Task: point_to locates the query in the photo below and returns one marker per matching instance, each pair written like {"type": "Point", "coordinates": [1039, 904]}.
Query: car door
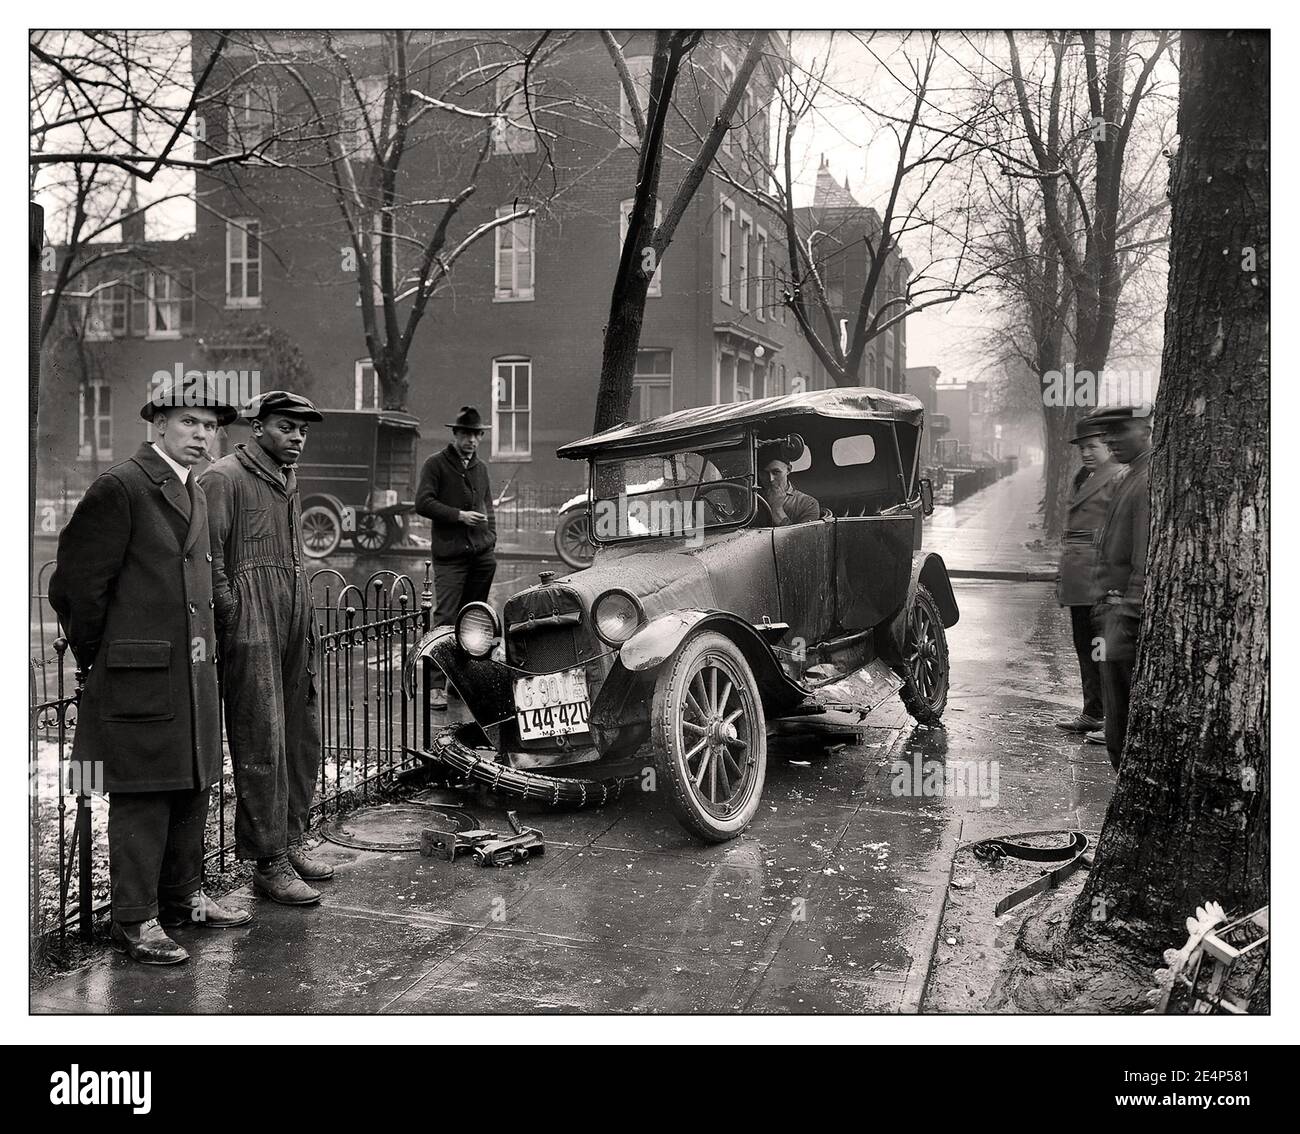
{"type": "Point", "coordinates": [804, 556]}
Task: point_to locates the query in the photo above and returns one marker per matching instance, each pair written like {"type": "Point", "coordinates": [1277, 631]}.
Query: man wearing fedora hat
{"type": "Point", "coordinates": [133, 591]}
{"type": "Point", "coordinates": [456, 494]}
{"type": "Point", "coordinates": [1121, 570]}
{"type": "Point", "coordinates": [269, 645]}
{"type": "Point", "coordinates": [1076, 588]}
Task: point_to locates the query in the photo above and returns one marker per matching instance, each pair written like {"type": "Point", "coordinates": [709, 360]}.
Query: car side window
{"type": "Point", "coordinates": [859, 449]}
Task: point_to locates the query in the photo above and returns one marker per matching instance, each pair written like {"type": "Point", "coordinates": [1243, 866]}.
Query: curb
{"type": "Point", "coordinates": [1020, 575]}
{"type": "Point", "coordinates": [914, 989]}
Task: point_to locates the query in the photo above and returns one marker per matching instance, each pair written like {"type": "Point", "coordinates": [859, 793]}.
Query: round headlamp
{"type": "Point", "coordinates": [476, 629]}
{"type": "Point", "coordinates": [617, 615]}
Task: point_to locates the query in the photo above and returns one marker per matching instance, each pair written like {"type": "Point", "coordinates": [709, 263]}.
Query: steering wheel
{"type": "Point", "coordinates": [720, 510]}
{"type": "Point", "coordinates": [770, 522]}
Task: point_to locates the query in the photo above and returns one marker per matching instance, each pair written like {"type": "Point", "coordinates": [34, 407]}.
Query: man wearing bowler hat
{"type": "Point", "coordinates": [456, 495]}
{"type": "Point", "coordinates": [1076, 584]}
{"type": "Point", "coordinates": [133, 591]}
{"type": "Point", "coordinates": [269, 644]}
{"type": "Point", "coordinates": [1122, 566]}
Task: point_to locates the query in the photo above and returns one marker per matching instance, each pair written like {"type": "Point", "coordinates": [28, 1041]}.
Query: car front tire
{"type": "Point", "coordinates": [710, 737]}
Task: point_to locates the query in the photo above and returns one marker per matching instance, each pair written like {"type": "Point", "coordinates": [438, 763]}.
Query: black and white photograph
{"type": "Point", "coordinates": [598, 531]}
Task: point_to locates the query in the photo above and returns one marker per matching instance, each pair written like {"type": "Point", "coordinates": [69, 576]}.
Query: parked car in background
{"type": "Point", "coordinates": [699, 622]}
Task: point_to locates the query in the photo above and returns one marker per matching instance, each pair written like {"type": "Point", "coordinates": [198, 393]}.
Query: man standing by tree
{"type": "Point", "coordinates": [133, 592]}
{"type": "Point", "coordinates": [1122, 566]}
{"type": "Point", "coordinates": [269, 644]}
{"type": "Point", "coordinates": [456, 495]}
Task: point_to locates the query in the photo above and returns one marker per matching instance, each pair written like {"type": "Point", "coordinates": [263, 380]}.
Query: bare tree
{"type": "Point", "coordinates": [646, 243]}
{"type": "Point", "coordinates": [365, 104]}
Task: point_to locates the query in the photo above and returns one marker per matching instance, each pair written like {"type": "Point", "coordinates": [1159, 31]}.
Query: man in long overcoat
{"type": "Point", "coordinates": [269, 644]}
{"type": "Point", "coordinates": [133, 592]}
{"type": "Point", "coordinates": [1122, 567]}
{"type": "Point", "coordinates": [1076, 586]}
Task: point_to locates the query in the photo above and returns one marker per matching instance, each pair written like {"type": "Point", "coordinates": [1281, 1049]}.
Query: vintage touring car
{"type": "Point", "coordinates": [700, 621]}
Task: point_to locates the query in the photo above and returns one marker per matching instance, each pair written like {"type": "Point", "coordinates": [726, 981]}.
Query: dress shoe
{"type": "Point", "coordinates": [438, 699]}
{"type": "Point", "coordinates": [1080, 723]}
{"type": "Point", "coordinates": [199, 909]}
{"type": "Point", "coordinates": [146, 942]}
{"type": "Point", "coordinates": [1097, 737]}
{"type": "Point", "coordinates": [307, 867]}
{"type": "Point", "coordinates": [276, 878]}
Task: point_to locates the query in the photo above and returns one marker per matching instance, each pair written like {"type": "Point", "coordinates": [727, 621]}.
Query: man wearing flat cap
{"type": "Point", "coordinates": [455, 493]}
{"type": "Point", "coordinates": [1121, 571]}
{"type": "Point", "coordinates": [787, 504]}
{"type": "Point", "coordinates": [269, 644]}
{"type": "Point", "coordinates": [133, 591]}
{"type": "Point", "coordinates": [1076, 584]}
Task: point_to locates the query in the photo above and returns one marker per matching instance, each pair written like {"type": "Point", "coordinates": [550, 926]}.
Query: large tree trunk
{"type": "Point", "coordinates": [1189, 818]}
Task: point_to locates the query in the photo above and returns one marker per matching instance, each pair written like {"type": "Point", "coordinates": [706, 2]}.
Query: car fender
{"type": "Point", "coordinates": [655, 643]}
{"type": "Point", "coordinates": [928, 568]}
{"type": "Point", "coordinates": [329, 500]}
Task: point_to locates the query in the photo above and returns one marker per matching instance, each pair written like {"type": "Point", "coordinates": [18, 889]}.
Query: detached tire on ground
{"type": "Point", "coordinates": [710, 737]}
{"type": "Point", "coordinates": [924, 668]}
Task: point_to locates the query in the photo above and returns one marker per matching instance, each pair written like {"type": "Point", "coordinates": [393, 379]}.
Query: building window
{"type": "Point", "coordinates": [728, 215]}
{"type": "Point", "coordinates": [727, 77]}
{"type": "Point", "coordinates": [106, 317]}
{"type": "Point", "coordinates": [639, 67]}
{"type": "Point", "coordinates": [514, 259]}
{"type": "Point", "coordinates": [358, 117]}
{"type": "Point", "coordinates": [512, 401]}
{"type": "Point", "coordinates": [95, 410]}
{"type": "Point", "coordinates": [252, 118]}
{"type": "Point", "coordinates": [763, 277]}
{"type": "Point", "coordinates": [624, 219]}
{"type": "Point", "coordinates": [366, 386]}
{"type": "Point", "coordinates": [512, 133]}
{"type": "Point", "coordinates": [652, 385]}
{"type": "Point", "coordinates": [746, 231]}
{"type": "Point", "coordinates": [243, 262]}
{"type": "Point", "coordinates": [162, 303]}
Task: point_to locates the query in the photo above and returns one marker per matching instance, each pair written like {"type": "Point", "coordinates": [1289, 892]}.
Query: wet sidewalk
{"type": "Point", "coordinates": [985, 536]}
{"type": "Point", "coordinates": [830, 902]}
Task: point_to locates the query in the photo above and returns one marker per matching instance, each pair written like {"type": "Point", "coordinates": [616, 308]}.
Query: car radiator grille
{"type": "Point", "coordinates": [548, 648]}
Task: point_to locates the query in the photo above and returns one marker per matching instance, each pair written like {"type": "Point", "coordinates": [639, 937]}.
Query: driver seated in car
{"type": "Point", "coordinates": [788, 504]}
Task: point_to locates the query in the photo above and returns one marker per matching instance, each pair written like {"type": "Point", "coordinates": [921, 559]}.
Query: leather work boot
{"type": "Point", "coordinates": [307, 867]}
{"type": "Point", "coordinates": [1098, 737]}
{"type": "Point", "coordinates": [1080, 723]}
{"type": "Point", "coordinates": [146, 942]}
{"type": "Point", "coordinates": [199, 909]}
{"type": "Point", "coordinates": [277, 879]}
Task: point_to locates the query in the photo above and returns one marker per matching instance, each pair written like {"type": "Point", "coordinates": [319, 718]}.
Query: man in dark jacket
{"type": "Point", "coordinates": [133, 592]}
{"type": "Point", "coordinates": [269, 644]}
{"type": "Point", "coordinates": [1094, 485]}
{"type": "Point", "coordinates": [1122, 567]}
{"type": "Point", "coordinates": [456, 495]}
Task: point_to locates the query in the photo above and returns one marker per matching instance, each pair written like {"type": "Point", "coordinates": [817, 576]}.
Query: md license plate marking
{"type": "Point", "coordinates": [552, 704]}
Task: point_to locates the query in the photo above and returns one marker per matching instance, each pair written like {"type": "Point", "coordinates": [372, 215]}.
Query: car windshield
{"type": "Point", "coordinates": [679, 494]}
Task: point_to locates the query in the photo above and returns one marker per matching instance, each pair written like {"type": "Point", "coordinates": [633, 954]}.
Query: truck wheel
{"type": "Point", "coordinates": [925, 661]}
{"type": "Point", "coordinates": [374, 533]}
{"type": "Point", "coordinates": [710, 737]}
{"type": "Point", "coordinates": [573, 539]}
{"type": "Point", "coordinates": [321, 531]}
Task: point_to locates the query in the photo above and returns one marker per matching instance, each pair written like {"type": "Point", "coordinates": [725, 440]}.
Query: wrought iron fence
{"type": "Point", "coordinates": [367, 725]}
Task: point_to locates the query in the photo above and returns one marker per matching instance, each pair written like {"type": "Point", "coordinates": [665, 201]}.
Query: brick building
{"type": "Point", "coordinates": [517, 331]}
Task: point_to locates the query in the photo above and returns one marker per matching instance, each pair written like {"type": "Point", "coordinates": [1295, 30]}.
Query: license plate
{"type": "Point", "coordinates": [552, 704]}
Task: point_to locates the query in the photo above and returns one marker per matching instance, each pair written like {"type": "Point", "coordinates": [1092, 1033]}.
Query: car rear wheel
{"type": "Point", "coordinates": [573, 539]}
{"type": "Point", "coordinates": [374, 533]}
{"type": "Point", "coordinates": [710, 737]}
{"type": "Point", "coordinates": [925, 661]}
{"type": "Point", "coordinates": [321, 531]}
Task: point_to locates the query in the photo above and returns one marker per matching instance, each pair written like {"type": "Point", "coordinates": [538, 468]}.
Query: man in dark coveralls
{"type": "Point", "coordinates": [133, 592]}
{"type": "Point", "coordinates": [1122, 566]}
{"type": "Point", "coordinates": [456, 495]}
{"type": "Point", "coordinates": [269, 644]}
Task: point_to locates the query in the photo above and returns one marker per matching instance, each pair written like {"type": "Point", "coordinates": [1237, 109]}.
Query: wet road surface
{"type": "Point", "coordinates": [829, 902]}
